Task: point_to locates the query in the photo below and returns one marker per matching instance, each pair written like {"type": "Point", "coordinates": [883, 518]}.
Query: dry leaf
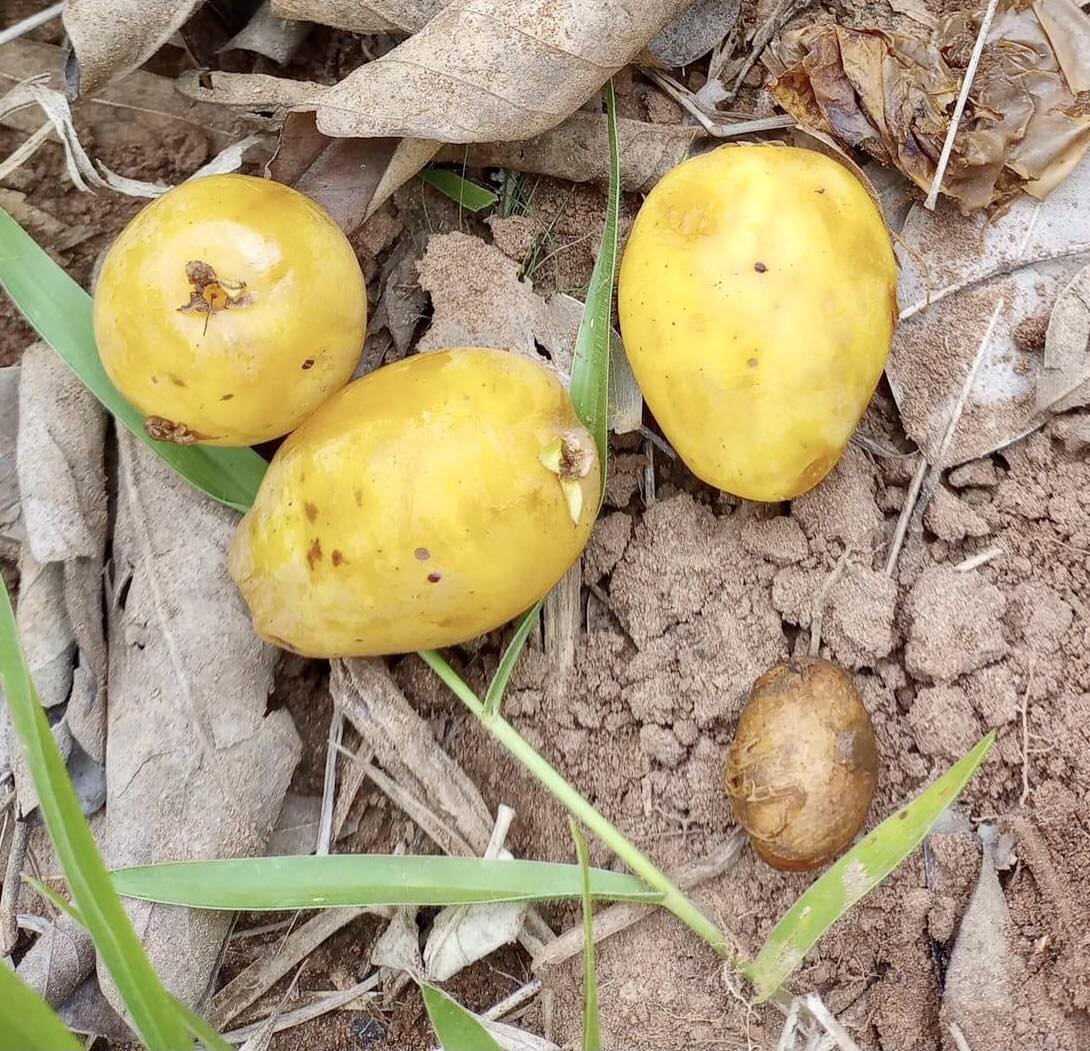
{"type": "Point", "coordinates": [265, 34]}
{"type": "Point", "coordinates": [512, 1038]}
{"type": "Point", "coordinates": [111, 37]}
{"type": "Point", "coordinates": [891, 94]}
{"type": "Point", "coordinates": [917, 10]}
{"type": "Point", "coordinates": [350, 178]}
{"type": "Point", "coordinates": [11, 519]}
{"type": "Point", "coordinates": [578, 151]}
{"type": "Point", "coordinates": [191, 745]}
{"type": "Point", "coordinates": [700, 27]}
{"type": "Point", "coordinates": [947, 257]}
{"type": "Point", "coordinates": [58, 960]}
{"type": "Point", "coordinates": [62, 490]}
{"type": "Point", "coordinates": [398, 946]}
{"type": "Point", "coordinates": [984, 972]}
{"type": "Point", "coordinates": [1062, 383]}
{"type": "Point", "coordinates": [249, 91]}
{"type": "Point", "coordinates": [489, 70]}
{"type": "Point", "coordinates": [135, 112]}
{"type": "Point", "coordinates": [357, 16]}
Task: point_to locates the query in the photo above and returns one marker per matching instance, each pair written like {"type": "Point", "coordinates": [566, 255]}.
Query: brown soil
{"type": "Point", "coordinates": [690, 596]}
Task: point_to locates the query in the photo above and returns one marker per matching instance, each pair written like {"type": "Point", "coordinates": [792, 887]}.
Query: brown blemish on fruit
{"type": "Point", "coordinates": [210, 293]}
{"type": "Point", "coordinates": [760, 268]}
{"type": "Point", "coordinates": [434, 577]}
{"type": "Point", "coordinates": [227, 397]}
{"type": "Point", "coordinates": [176, 381]}
{"type": "Point", "coordinates": [422, 553]}
{"type": "Point", "coordinates": [160, 429]}
{"type": "Point", "coordinates": [358, 496]}
{"type": "Point", "coordinates": [336, 557]}
{"type": "Point", "coordinates": [308, 364]}
{"type": "Point", "coordinates": [752, 363]}
{"type": "Point", "coordinates": [311, 510]}
{"type": "Point", "coordinates": [314, 554]}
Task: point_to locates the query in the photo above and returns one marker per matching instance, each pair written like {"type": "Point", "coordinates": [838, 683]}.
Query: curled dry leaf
{"type": "Point", "coordinates": [265, 34]}
{"type": "Point", "coordinates": [190, 743]}
{"type": "Point", "coordinates": [492, 70]}
{"type": "Point", "coordinates": [1024, 258]}
{"type": "Point", "coordinates": [891, 94]}
{"type": "Point", "coordinates": [357, 16]}
{"type": "Point", "coordinates": [112, 37]}
{"type": "Point", "coordinates": [694, 32]}
{"type": "Point", "coordinates": [62, 491]}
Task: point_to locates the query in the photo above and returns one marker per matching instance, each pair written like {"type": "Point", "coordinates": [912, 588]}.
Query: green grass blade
{"type": "Point", "coordinates": [306, 882]}
{"type": "Point", "coordinates": [457, 1028]}
{"type": "Point", "coordinates": [468, 194]}
{"type": "Point", "coordinates": [498, 686]}
{"type": "Point", "coordinates": [592, 1024]}
{"type": "Point", "coordinates": [589, 379]}
{"type": "Point", "coordinates": [150, 1008]}
{"type": "Point", "coordinates": [200, 1030]}
{"type": "Point", "coordinates": [590, 365]}
{"type": "Point", "coordinates": [61, 312]}
{"type": "Point", "coordinates": [856, 874]}
{"type": "Point", "coordinates": [27, 1022]}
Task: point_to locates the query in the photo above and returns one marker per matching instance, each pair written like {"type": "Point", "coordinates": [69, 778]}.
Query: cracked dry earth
{"type": "Point", "coordinates": [691, 596]}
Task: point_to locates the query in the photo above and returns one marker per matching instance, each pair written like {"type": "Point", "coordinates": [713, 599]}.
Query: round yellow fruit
{"type": "Point", "coordinates": [803, 766]}
{"type": "Point", "coordinates": [228, 310]}
{"type": "Point", "coordinates": [423, 505]}
{"type": "Point", "coordinates": [757, 301]}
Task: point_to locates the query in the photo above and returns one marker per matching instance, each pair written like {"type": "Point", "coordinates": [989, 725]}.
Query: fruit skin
{"type": "Point", "coordinates": [803, 766]}
{"type": "Point", "coordinates": [757, 301]}
{"type": "Point", "coordinates": [245, 371]}
{"type": "Point", "coordinates": [413, 509]}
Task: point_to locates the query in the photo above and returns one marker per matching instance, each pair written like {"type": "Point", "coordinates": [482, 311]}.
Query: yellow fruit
{"type": "Point", "coordinates": [423, 505]}
{"type": "Point", "coordinates": [803, 766]}
{"type": "Point", "coordinates": [757, 301]}
{"type": "Point", "coordinates": [228, 310]}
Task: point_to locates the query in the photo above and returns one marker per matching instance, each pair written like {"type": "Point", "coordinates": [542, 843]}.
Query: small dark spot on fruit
{"type": "Point", "coordinates": [227, 397]}
{"type": "Point", "coordinates": [308, 364]}
{"type": "Point", "coordinates": [155, 379]}
{"type": "Point", "coordinates": [752, 363]}
{"type": "Point", "coordinates": [820, 190]}
{"type": "Point", "coordinates": [311, 510]}
{"type": "Point", "coordinates": [358, 495]}
{"type": "Point", "coordinates": [422, 553]}
{"type": "Point", "coordinates": [176, 381]}
{"type": "Point", "coordinates": [760, 268]}
{"type": "Point", "coordinates": [336, 557]}
{"type": "Point", "coordinates": [434, 577]}
{"type": "Point", "coordinates": [314, 555]}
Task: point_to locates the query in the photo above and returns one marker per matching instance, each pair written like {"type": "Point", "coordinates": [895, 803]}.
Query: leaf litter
{"type": "Point", "coordinates": [670, 633]}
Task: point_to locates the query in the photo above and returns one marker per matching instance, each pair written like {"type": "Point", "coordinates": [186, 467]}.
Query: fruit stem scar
{"type": "Point", "coordinates": [211, 293]}
{"type": "Point", "coordinates": [570, 458]}
{"type": "Point", "coordinates": [160, 429]}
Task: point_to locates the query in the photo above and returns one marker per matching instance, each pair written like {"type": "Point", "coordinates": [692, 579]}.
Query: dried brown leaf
{"type": "Point", "coordinates": [492, 70]}
{"type": "Point", "coordinates": [694, 32]}
{"type": "Point", "coordinates": [191, 744]}
{"type": "Point", "coordinates": [112, 37]}
{"type": "Point", "coordinates": [372, 16]}
{"type": "Point", "coordinates": [891, 94]}
{"type": "Point", "coordinates": [266, 34]}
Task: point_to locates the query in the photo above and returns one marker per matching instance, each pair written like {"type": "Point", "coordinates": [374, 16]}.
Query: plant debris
{"type": "Point", "coordinates": [890, 94]}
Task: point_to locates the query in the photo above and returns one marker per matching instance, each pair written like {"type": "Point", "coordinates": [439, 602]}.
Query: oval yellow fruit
{"type": "Point", "coordinates": [757, 300]}
{"type": "Point", "coordinates": [228, 310]}
{"type": "Point", "coordinates": [425, 504]}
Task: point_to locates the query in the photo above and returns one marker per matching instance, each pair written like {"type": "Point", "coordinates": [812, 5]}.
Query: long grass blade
{"type": "Point", "coordinates": [498, 686]}
{"type": "Point", "coordinates": [61, 312]}
{"type": "Point", "coordinates": [151, 1010]}
{"type": "Point", "coordinates": [308, 882]}
{"type": "Point", "coordinates": [856, 874]}
{"type": "Point", "coordinates": [590, 364]}
{"type": "Point", "coordinates": [27, 1022]}
{"type": "Point", "coordinates": [457, 1028]}
{"type": "Point", "coordinates": [592, 1023]}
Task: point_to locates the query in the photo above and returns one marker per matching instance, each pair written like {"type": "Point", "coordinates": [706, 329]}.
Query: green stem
{"type": "Point", "coordinates": [673, 898]}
